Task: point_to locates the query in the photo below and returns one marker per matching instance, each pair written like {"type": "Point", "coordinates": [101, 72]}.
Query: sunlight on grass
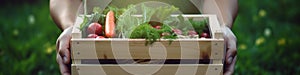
{"type": "Point", "coordinates": [281, 42]}
{"type": "Point", "coordinates": [262, 13]}
{"type": "Point", "coordinates": [31, 19]}
{"type": "Point", "coordinates": [259, 41]}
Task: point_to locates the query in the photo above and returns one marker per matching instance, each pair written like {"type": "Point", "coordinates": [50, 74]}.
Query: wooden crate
{"type": "Point", "coordinates": [88, 53]}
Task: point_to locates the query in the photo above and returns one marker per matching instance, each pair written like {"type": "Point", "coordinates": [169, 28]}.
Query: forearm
{"type": "Point", "coordinates": [226, 10]}
{"type": "Point", "coordinates": [63, 12]}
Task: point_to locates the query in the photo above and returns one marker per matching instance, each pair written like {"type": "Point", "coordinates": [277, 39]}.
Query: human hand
{"type": "Point", "coordinates": [63, 51]}
{"type": "Point", "coordinates": [231, 51]}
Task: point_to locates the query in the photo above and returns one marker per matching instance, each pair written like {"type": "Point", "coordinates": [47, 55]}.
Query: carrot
{"type": "Point", "coordinates": [110, 25]}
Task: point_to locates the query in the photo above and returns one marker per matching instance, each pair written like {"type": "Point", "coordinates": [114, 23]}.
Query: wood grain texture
{"type": "Point", "coordinates": [129, 69]}
{"type": "Point", "coordinates": [136, 49]}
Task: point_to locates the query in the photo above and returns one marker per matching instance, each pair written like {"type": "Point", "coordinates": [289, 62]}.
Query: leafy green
{"type": "Point", "coordinates": [186, 25]}
{"type": "Point", "coordinates": [148, 12]}
{"type": "Point", "coordinates": [160, 16]}
{"type": "Point", "coordinates": [117, 11]}
{"type": "Point", "coordinates": [126, 22]}
{"type": "Point", "coordinates": [199, 26]}
{"type": "Point", "coordinates": [146, 31]}
{"type": "Point", "coordinates": [162, 13]}
{"type": "Point", "coordinates": [167, 29]}
{"type": "Point", "coordinates": [151, 34]}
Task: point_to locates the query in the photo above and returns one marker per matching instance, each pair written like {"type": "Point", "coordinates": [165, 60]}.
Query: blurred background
{"type": "Point", "coordinates": [267, 31]}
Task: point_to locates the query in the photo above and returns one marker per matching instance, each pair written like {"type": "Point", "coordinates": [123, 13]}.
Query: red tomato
{"type": "Point", "coordinates": [95, 28]}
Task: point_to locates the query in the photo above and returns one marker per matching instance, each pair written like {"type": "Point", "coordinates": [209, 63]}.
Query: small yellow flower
{"type": "Point", "coordinates": [262, 13]}
{"type": "Point", "coordinates": [259, 41]}
{"type": "Point", "coordinates": [243, 47]}
{"type": "Point", "coordinates": [281, 42]}
{"type": "Point", "coordinates": [48, 50]}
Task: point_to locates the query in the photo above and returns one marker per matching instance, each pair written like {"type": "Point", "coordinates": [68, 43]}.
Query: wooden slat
{"type": "Point", "coordinates": [217, 49]}
{"type": "Point", "coordinates": [148, 69]}
{"type": "Point", "coordinates": [76, 61]}
{"type": "Point", "coordinates": [76, 33]}
{"type": "Point", "coordinates": [215, 28]}
{"type": "Point", "coordinates": [149, 61]}
{"type": "Point", "coordinates": [84, 49]}
{"type": "Point", "coordinates": [136, 49]}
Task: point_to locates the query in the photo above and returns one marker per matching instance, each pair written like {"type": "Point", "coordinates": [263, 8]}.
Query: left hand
{"type": "Point", "coordinates": [231, 51]}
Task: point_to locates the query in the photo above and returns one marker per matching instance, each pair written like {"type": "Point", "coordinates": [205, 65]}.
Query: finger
{"type": "Point", "coordinates": [64, 69]}
{"type": "Point", "coordinates": [57, 45]}
{"type": "Point", "coordinates": [229, 70]}
{"type": "Point", "coordinates": [65, 55]}
{"type": "Point", "coordinates": [64, 48]}
{"type": "Point", "coordinates": [64, 43]}
{"type": "Point", "coordinates": [230, 54]}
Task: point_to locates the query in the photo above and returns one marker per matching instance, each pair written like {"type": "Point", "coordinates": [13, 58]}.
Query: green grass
{"type": "Point", "coordinates": [268, 35]}
{"type": "Point", "coordinates": [28, 38]}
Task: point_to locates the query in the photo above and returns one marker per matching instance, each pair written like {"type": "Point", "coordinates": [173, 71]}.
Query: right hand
{"type": "Point", "coordinates": [63, 51]}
